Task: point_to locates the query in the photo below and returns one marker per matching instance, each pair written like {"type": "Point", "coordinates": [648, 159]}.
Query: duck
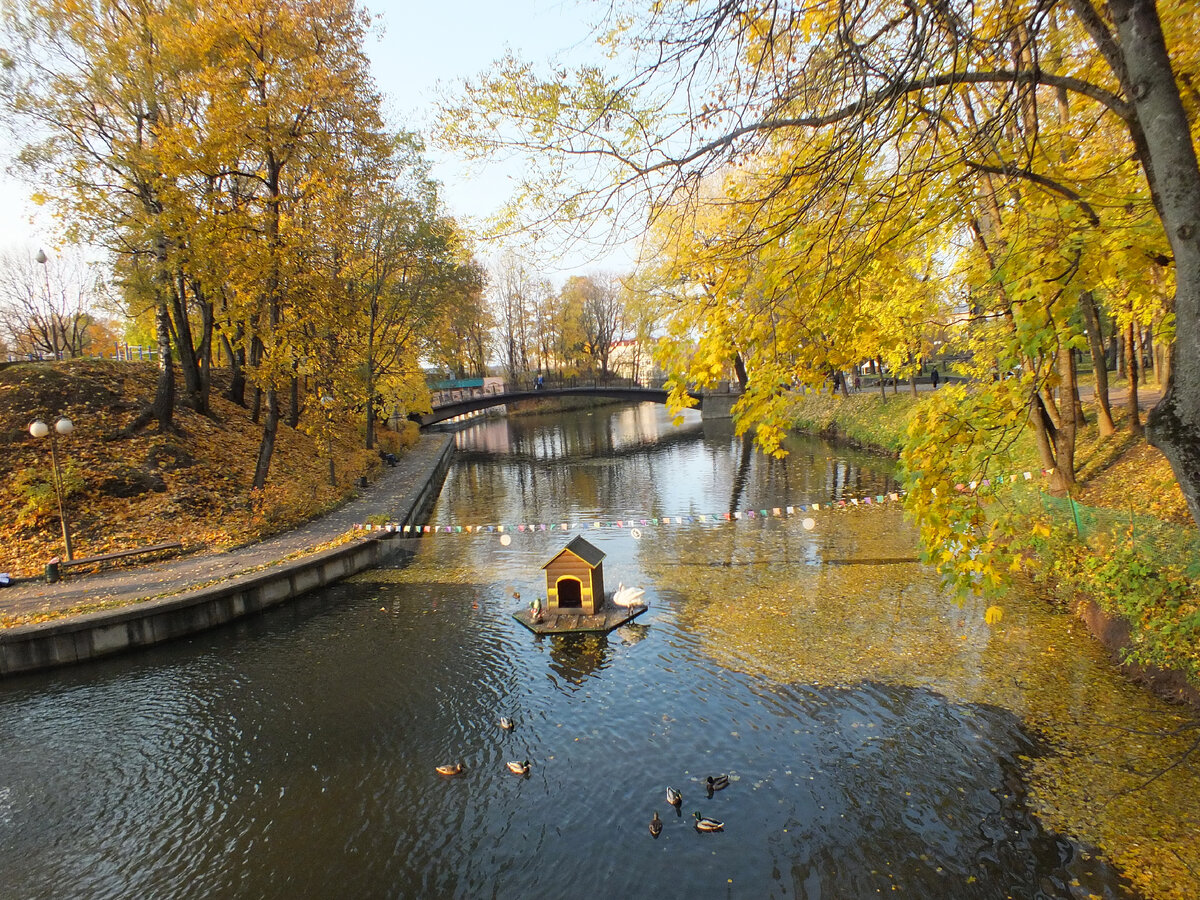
{"type": "Point", "coordinates": [674, 797]}
{"type": "Point", "coordinates": [704, 824]}
{"type": "Point", "coordinates": [656, 825]}
{"type": "Point", "coordinates": [519, 768]}
{"type": "Point", "coordinates": [451, 769]}
{"type": "Point", "coordinates": [716, 783]}
{"type": "Point", "coordinates": [506, 723]}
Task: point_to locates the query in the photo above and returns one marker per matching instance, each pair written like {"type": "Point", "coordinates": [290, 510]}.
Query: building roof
{"type": "Point", "coordinates": [581, 548]}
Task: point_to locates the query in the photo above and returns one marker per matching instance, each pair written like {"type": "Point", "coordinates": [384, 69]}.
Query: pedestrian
{"type": "Point", "coordinates": [539, 382]}
{"type": "Point", "coordinates": [933, 376]}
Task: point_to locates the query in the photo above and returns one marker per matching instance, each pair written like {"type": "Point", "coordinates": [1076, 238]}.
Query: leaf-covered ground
{"type": "Point", "coordinates": [192, 485]}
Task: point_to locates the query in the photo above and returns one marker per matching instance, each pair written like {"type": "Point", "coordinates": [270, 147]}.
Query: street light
{"type": "Point", "coordinates": [43, 260]}
{"type": "Point", "coordinates": [40, 429]}
{"type": "Point", "coordinates": [327, 402]}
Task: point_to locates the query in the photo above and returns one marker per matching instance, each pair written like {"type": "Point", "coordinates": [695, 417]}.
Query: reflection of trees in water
{"type": "Point", "coordinates": [577, 657]}
{"type": "Point", "coordinates": [909, 758]}
{"type": "Point", "coordinates": [631, 459]}
{"type": "Point", "coordinates": [632, 633]}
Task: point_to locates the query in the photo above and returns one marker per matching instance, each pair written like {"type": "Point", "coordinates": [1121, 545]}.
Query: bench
{"type": "Point", "coordinates": [102, 558]}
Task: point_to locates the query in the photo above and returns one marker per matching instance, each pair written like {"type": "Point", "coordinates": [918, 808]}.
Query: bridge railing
{"type": "Point", "coordinates": [552, 381]}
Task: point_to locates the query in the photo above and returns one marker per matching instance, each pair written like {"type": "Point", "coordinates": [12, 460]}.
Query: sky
{"type": "Point", "coordinates": [417, 49]}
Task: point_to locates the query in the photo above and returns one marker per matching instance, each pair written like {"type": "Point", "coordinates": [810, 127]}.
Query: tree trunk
{"type": "Point", "coordinates": [1169, 160]}
{"type": "Point", "coordinates": [1080, 415]}
{"type": "Point", "coordinates": [293, 419]}
{"type": "Point", "coordinates": [1061, 477]}
{"type": "Point", "coordinates": [1152, 346]}
{"type": "Point", "coordinates": [1143, 345]}
{"type": "Point", "coordinates": [1065, 447]}
{"type": "Point", "coordinates": [266, 446]}
{"type": "Point", "coordinates": [373, 316]}
{"type": "Point", "coordinates": [1131, 366]}
{"type": "Point", "coordinates": [164, 395]}
{"type": "Point", "coordinates": [1051, 407]}
{"type": "Point", "coordinates": [195, 393]}
{"type": "Point", "coordinates": [256, 354]}
{"type": "Point", "coordinates": [1091, 316]}
{"type": "Point", "coordinates": [236, 392]}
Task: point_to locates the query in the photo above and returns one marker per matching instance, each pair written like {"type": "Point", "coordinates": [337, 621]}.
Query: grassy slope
{"type": "Point", "coordinates": [195, 483]}
{"type": "Point", "coordinates": [1118, 473]}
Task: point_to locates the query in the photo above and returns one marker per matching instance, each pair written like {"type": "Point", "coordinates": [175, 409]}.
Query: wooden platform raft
{"type": "Point", "coordinates": [605, 620]}
{"type": "Point", "coordinates": [575, 600]}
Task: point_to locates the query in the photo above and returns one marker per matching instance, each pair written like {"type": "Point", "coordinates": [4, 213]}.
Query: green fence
{"type": "Point", "coordinates": [1166, 542]}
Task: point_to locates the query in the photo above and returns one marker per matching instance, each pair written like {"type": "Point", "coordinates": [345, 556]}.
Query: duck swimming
{"type": "Point", "coordinates": [452, 769]}
{"type": "Point", "coordinates": [703, 824]}
{"type": "Point", "coordinates": [506, 723]}
{"type": "Point", "coordinates": [656, 825]}
{"type": "Point", "coordinates": [519, 768]}
{"type": "Point", "coordinates": [674, 797]}
{"type": "Point", "coordinates": [716, 783]}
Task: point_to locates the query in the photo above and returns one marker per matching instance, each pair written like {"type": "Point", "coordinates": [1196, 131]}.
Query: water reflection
{"type": "Point", "coordinates": [574, 658]}
{"type": "Point", "coordinates": [874, 733]}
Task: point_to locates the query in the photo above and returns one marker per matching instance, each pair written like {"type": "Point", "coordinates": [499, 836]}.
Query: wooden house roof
{"type": "Point", "coordinates": [581, 548]}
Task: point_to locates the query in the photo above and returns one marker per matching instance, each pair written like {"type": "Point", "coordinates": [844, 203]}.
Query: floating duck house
{"type": "Point", "coordinates": [575, 594]}
{"type": "Point", "coordinates": [575, 580]}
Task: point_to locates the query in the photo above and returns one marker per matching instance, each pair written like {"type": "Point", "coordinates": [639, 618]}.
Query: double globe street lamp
{"type": "Point", "coordinates": [40, 429]}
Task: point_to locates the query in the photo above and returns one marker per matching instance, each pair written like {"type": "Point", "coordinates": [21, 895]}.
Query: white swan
{"type": "Point", "coordinates": [628, 597]}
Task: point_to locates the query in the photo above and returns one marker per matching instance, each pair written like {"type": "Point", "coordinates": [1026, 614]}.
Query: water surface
{"type": "Point", "coordinates": [877, 736]}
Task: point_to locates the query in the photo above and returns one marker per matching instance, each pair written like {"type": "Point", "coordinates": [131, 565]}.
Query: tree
{"type": "Point", "coordinates": [46, 304]}
{"type": "Point", "coordinates": [597, 299]}
{"type": "Point", "coordinates": [896, 115]}
{"type": "Point", "coordinates": [463, 342]}
{"type": "Point", "coordinates": [513, 284]}
{"type": "Point", "coordinates": [293, 117]}
{"type": "Point", "coordinates": [100, 84]}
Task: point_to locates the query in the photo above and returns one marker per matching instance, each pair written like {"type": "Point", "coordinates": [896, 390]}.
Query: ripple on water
{"type": "Point", "coordinates": [294, 754]}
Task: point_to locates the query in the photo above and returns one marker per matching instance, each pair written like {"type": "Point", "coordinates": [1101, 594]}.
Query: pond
{"type": "Point", "coordinates": [877, 736]}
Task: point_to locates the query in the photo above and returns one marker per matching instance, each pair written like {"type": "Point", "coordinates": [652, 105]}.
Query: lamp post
{"type": "Point", "coordinates": [40, 429]}
{"type": "Point", "coordinates": [327, 402]}
{"type": "Point", "coordinates": [44, 261]}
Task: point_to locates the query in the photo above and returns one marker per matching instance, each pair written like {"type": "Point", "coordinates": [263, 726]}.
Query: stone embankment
{"type": "Point", "coordinates": [156, 603]}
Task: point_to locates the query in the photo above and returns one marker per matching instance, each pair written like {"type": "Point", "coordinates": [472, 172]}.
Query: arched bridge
{"type": "Point", "coordinates": [715, 405]}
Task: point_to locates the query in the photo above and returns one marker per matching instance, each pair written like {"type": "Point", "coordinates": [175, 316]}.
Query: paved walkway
{"type": "Point", "coordinates": [392, 494]}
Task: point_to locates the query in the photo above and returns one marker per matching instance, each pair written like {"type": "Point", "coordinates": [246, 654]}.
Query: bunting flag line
{"type": "Point", "coordinates": [636, 524]}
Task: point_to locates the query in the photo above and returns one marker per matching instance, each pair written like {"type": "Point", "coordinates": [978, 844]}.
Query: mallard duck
{"type": "Point", "coordinates": [506, 723]}
{"type": "Point", "coordinates": [674, 797]}
{"type": "Point", "coordinates": [703, 824]}
{"type": "Point", "coordinates": [656, 825]}
{"type": "Point", "coordinates": [452, 769]}
{"type": "Point", "coordinates": [519, 768]}
{"type": "Point", "coordinates": [716, 782]}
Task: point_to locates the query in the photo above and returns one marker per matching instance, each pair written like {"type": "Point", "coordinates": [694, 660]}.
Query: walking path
{"type": "Point", "coordinates": [393, 494]}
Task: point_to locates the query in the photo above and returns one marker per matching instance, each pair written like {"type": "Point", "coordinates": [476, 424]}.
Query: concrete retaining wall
{"type": "Point", "coordinates": [27, 648]}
